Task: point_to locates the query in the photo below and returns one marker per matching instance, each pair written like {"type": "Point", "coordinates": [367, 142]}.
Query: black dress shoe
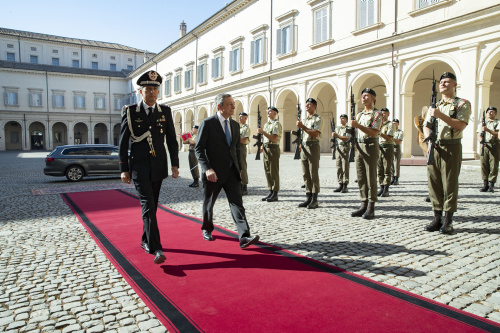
{"type": "Point", "coordinates": [247, 241]}
{"type": "Point", "coordinates": [159, 257]}
{"type": "Point", "coordinates": [207, 236]}
{"type": "Point", "coordinates": [145, 247]}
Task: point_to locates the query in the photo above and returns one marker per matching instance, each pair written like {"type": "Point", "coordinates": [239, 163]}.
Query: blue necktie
{"type": "Point", "coordinates": [228, 134]}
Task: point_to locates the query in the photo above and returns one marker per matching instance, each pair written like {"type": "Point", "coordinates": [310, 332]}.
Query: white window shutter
{"type": "Point", "coordinates": [252, 52]}
{"type": "Point", "coordinates": [278, 42]}
{"type": "Point", "coordinates": [214, 66]}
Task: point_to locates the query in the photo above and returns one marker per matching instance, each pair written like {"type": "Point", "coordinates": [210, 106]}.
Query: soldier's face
{"type": "Point", "coordinates": [492, 114]}
{"type": "Point", "coordinates": [271, 114]}
{"type": "Point", "coordinates": [343, 121]}
{"type": "Point", "coordinates": [447, 86]}
{"type": "Point", "coordinates": [310, 108]}
{"type": "Point", "coordinates": [367, 99]}
{"type": "Point", "coordinates": [149, 95]}
{"type": "Point", "coordinates": [385, 115]}
{"type": "Point", "coordinates": [195, 130]}
{"type": "Point", "coordinates": [243, 119]}
{"type": "Point", "coordinates": [227, 108]}
{"type": "Point", "coordinates": [396, 125]}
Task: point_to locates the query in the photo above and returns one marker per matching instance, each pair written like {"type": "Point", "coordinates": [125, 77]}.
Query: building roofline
{"type": "Point", "coordinates": [68, 40]}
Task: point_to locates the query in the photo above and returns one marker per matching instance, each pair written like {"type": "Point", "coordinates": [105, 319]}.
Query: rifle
{"type": "Point", "coordinates": [259, 142]}
{"type": "Point", "coordinates": [352, 131]}
{"type": "Point", "coordinates": [483, 134]}
{"type": "Point", "coordinates": [298, 134]}
{"type": "Point", "coordinates": [431, 139]}
{"type": "Point", "coordinates": [333, 140]}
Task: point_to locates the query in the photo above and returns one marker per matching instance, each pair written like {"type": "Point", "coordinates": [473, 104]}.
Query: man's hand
{"type": "Point", "coordinates": [299, 124]}
{"type": "Point", "coordinates": [434, 112]}
{"type": "Point", "coordinates": [260, 131]}
{"type": "Point", "coordinates": [353, 123]}
{"type": "Point", "coordinates": [175, 172]}
{"type": "Point", "coordinates": [211, 176]}
{"type": "Point", "coordinates": [334, 134]}
{"type": "Point", "coordinates": [261, 149]}
{"type": "Point", "coordinates": [125, 176]}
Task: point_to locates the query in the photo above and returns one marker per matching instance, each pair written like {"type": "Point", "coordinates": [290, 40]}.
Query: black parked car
{"type": "Point", "coordinates": [77, 161]}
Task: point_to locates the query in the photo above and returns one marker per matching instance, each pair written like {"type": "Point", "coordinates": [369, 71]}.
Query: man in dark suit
{"type": "Point", "coordinates": [147, 126]}
{"type": "Point", "coordinates": [218, 152]}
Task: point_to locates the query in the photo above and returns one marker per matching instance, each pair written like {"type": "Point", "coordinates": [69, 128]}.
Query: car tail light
{"type": "Point", "coordinates": [49, 159]}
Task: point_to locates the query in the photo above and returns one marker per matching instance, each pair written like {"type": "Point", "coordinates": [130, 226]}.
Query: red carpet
{"type": "Point", "coordinates": [217, 287]}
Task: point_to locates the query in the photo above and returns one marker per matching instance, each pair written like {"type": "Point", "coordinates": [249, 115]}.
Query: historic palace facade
{"type": "Point", "coordinates": [267, 52]}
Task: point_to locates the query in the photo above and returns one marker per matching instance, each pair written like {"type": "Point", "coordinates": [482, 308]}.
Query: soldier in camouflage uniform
{"type": "Point", "coordinates": [368, 123]}
{"type": "Point", "coordinates": [272, 132]}
{"type": "Point", "coordinates": [489, 160]}
{"type": "Point", "coordinates": [244, 140]}
{"type": "Point", "coordinates": [310, 153]}
{"type": "Point", "coordinates": [386, 154]}
{"type": "Point", "coordinates": [452, 116]}
{"type": "Point", "coordinates": [342, 135]}
{"type": "Point", "coordinates": [398, 139]}
{"type": "Point", "coordinates": [193, 162]}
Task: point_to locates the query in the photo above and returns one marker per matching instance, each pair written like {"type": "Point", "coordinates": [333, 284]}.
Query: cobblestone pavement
{"type": "Point", "coordinates": [55, 278]}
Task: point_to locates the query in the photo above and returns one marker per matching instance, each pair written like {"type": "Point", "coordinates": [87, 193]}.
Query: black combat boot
{"type": "Point", "coordinates": [308, 200]}
{"type": "Point", "coordinates": [370, 211]}
{"type": "Point", "coordinates": [303, 186]}
{"type": "Point", "coordinates": [385, 193]}
{"type": "Point", "coordinates": [436, 224]}
{"type": "Point", "coordinates": [490, 188]}
{"type": "Point", "coordinates": [396, 181]}
{"type": "Point", "coordinates": [268, 196]}
{"type": "Point", "coordinates": [447, 228]}
{"type": "Point", "coordinates": [344, 188]}
{"type": "Point", "coordinates": [485, 186]}
{"type": "Point", "coordinates": [338, 189]}
{"type": "Point", "coordinates": [361, 210]}
{"type": "Point", "coordinates": [379, 193]}
{"type": "Point", "coordinates": [427, 199]}
{"type": "Point", "coordinates": [244, 190]}
{"type": "Point", "coordinates": [393, 180]}
{"type": "Point", "coordinates": [195, 183]}
{"type": "Point", "coordinates": [273, 197]}
{"type": "Point", "coordinates": [314, 202]}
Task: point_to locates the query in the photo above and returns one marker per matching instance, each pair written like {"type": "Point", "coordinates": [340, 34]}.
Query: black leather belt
{"type": "Point", "coordinates": [445, 142]}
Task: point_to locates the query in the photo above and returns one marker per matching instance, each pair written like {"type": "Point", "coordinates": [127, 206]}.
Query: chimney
{"type": "Point", "coordinates": [183, 29]}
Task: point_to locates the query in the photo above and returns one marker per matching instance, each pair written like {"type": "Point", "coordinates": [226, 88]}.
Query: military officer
{"type": "Point", "coordinates": [342, 136]}
{"type": "Point", "coordinates": [386, 154]}
{"type": "Point", "coordinates": [310, 153]}
{"type": "Point", "coordinates": [398, 139]}
{"type": "Point", "coordinates": [491, 154]}
{"type": "Point", "coordinates": [452, 115]}
{"type": "Point", "coordinates": [244, 140]}
{"type": "Point", "coordinates": [193, 162]}
{"type": "Point", "coordinates": [272, 132]}
{"type": "Point", "coordinates": [368, 123]}
{"type": "Point", "coordinates": [145, 129]}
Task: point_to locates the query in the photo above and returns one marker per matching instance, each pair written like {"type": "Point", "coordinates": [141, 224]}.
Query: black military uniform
{"type": "Point", "coordinates": [144, 133]}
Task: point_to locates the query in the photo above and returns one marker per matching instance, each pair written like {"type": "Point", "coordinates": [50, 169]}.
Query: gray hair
{"type": "Point", "coordinates": [219, 99]}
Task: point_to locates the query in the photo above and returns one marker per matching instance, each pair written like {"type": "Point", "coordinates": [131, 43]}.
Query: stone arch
{"type": "Point", "coordinates": [489, 79]}
{"type": "Point", "coordinates": [116, 134]}
{"type": "Point", "coordinates": [100, 133]}
{"type": "Point", "coordinates": [81, 133]}
{"type": "Point", "coordinates": [37, 137]}
{"type": "Point", "coordinates": [259, 103]}
{"type": "Point", "coordinates": [59, 134]}
{"type": "Point", "coordinates": [374, 79]}
{"type": "Point", "coordinates": [238, 108]}
{"type": "Point", "coordinates": [416, 87]}
{"type": "Point", "coordinates": [178, 127]}
{"type": "Point", "coordinates": [189, 120]}
{"type": "Point", "coordinates": [202, 114]}
{"type": "Point", "coordinates": [325, 94]}
{"type": "Point", "coordinates": [286, 102]}
{"type": "Point", "coordinates": [13, 134]}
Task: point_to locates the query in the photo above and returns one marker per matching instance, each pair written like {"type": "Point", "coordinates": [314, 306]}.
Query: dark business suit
{"type": "Point", "coordinates": [146, 170]}
{"type": "Point", "coordinates": [213, 152]}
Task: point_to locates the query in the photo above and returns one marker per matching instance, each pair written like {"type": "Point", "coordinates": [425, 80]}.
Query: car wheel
{"type": "Point", "coordinates": [74, 173]}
